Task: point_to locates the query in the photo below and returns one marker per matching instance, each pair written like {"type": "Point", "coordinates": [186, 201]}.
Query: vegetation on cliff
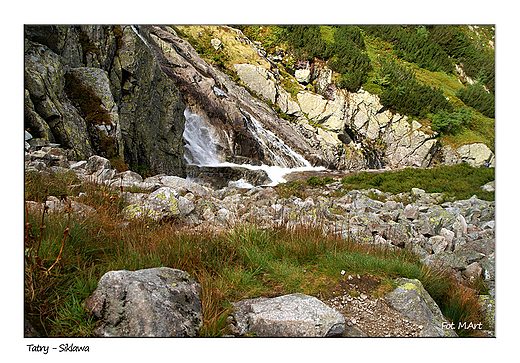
{"type": "Point", "coordinates": [432, 73]}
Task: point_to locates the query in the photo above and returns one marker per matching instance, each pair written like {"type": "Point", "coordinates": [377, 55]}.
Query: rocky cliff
{"type": "Point", "coordinates": [99, 90]}
{"type": "Point", "coordinates": [120, 92]}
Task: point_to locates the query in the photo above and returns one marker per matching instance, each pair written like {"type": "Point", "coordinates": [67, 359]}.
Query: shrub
{"type": "Point", "coordinates": [404, 94]}
{"type": "Point", "coordinates": [412, 44]}
{"type": "Point", "coordinates": [476, 63]}
{"type": "Point", "coordinates": [477, 97]}
{"type": "Point", "coordinates": [446, 122]}
{"type": "Point", "coordinates": [460, 181]}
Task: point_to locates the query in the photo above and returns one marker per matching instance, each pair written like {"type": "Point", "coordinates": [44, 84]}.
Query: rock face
{"type": "Point", "coordinates": [295, 315]}
{"type": "Point", "coordinates": [477, 155]}
{"type": "Point", "coordinates": [120, 92]}
{"type": "Point", "coordinates": [158, 302]}
{"type": "Point", "coordinates": [413, 301]}
{"type": "Point", "coordinates": [229, 108]}
{"type": "Point", "coordinates": [99, 90]}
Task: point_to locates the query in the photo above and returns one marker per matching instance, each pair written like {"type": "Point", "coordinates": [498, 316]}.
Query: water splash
{"type": "Point", "coordinates": [200, 150]}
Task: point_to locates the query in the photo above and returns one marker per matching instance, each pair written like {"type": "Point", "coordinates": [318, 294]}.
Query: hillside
{"type": "Point", "coordinates": [442, 76]}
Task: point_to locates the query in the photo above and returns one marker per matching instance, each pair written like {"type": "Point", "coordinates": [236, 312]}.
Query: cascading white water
{"type": "Point", "coordinates": [200, 145]}
{"type": "Point", "coordinates": [200, 150]}
{"type": "Point", "coordinates": [277, 149]}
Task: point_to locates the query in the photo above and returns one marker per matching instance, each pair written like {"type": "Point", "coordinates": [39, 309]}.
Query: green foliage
{"type": "Point", "coordinates": [344, 50]}
{"type": "Point", "coordinates": [460, 181]}
{"type": "Point", "coordinates": [402, 92]}
{"type": "Point", "coordinates": [475, 61]}
{"type": "Point", "coordinates": [270, 36]}
{"type": "Point", "coordinates": [315, 181]}
{"type": "Point", "coordinates": [413, 45]}
{"type": "Point", "coordinates": [477, 97]}
{"type": "Point", "coordinates": [307, 42]}
{"type": "Point", "coordinates": [447, 122]}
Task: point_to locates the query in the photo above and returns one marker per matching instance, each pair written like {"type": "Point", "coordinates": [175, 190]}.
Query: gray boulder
{"type": "Point", "coordinates": [157, 302]}
{"type": "Point", "coordinates": [413, 301]}
{"type": "Point", "coordinates": [295, 315]}
{"type": "Point", "coordinates": [476, 155]}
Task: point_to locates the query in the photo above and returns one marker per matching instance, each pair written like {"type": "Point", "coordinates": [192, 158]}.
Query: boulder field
{"type": "Point", "coordinates": [456, 234]}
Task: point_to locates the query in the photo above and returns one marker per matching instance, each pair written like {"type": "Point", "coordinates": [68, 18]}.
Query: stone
{"type": "Point", "coordinates": [303, 75]}
{"type": "Point", "coordinates": [448, 236]}
{"type": "Point", "coordinates": [411, 211]}
{"type": "Point", "coordinates": [185, 206]}
{"type": "Point", "coordinates": [161, 203]}
{"type": "Point", "coordinates": [128, 179]}
{"type": "Point", "coordinates": [488, 187]}
{"type": "Point", "coordinates": [219, 176]}
{"type": "Point", "coordinates": [413, 301]}
{"type": "Point", "coordinates": [181, 185]}
{"type": "Point", "coordinates": [476, 155]}
{"type": "Point", "coordinates": [258, 79]}
{"type": "Point", "coordinates": [438, 243]}
{"type": "Point", "coordinates": [216, 44]}
{"type": "Point", "coordinates": [225, 217]}
{"type": "Point", "coordinates": [294, 315]}
{"type": "Point", "coordinates": [157, 302]}
{"type": "Point", "coordinates": [96, 164]}
{"type": "Point", "coordinates": [57, 206]}
{"type": "Point", "coordinates": [473, 271]}
{"type": "Point", "coordinates": [460, 227]}
{"type": "Point", "coordinates": [487, 302]}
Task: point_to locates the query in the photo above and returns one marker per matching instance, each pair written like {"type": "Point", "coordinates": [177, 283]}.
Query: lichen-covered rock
{"type": "Point", "coordinates": [258, 79]}
{"type": "Point", "coordinates": [413, 301]}
{"type": "Point", "coordinates": [295, 315]}
{"type": "Point", "coordinates": [157, 302]}
{"type": "Point", "coordinates": [476, 155]}
{"type": "Point", "coordinates": [159, 204]}
{"type": "Point", "coordinates": [151, 109]}
{"type": "Point", "coordinates": [50, 111]}
{"type": "Point", "coordinates": [90, 88]}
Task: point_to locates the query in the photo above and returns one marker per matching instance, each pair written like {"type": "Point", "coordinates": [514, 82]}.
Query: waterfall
{"type": "Point", "coordinates": [200, 149]}
{"type": "Point", "coordinates": [200, 146]}
{"type": "Point", "coordinates": [278, 151]}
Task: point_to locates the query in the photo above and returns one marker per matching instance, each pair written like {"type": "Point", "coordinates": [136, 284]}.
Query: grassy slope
{"type": "Point", "coordinates": [480, 128]}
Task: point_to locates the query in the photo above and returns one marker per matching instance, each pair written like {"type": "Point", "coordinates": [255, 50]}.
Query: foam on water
{"type": "Point", "coordinates": [201, 150]}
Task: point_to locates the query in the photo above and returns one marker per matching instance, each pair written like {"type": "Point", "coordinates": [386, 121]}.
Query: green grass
{"type": "Point", "coordinates": [459, 181]}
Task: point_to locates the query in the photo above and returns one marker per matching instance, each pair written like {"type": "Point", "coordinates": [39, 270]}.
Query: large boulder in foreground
{"type": "Point", "coordinates": [295, 315]}
{"type": "Point", "coordinates": [157, 302]}
{"type": "Point", "coordinates": [413, 301]}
